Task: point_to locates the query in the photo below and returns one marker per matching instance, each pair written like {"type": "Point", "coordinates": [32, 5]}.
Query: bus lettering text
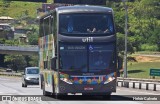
{"type": "Point", "coordinates": [88, 39]}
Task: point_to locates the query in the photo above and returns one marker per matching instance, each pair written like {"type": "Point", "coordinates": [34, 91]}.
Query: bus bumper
{"type": "Point", "coordinates": [99, 89]}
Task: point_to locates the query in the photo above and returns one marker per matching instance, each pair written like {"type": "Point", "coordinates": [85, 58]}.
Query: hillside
{"type": "Point", "coordinates": [143, 21]}
{"type": "Point", "coordinates": [18, 10]}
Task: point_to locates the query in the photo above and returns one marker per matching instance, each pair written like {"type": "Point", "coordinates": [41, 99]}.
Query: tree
{"type": "Point", "coordinates": [2, 40]}
{"type": "Point", "coordinates": [33, 39]}
{"type": "Point", "coordinates": [16, 62]}
{"type": "Point", "coordinates": [33, 36]}
{"type": "Point", "coordinates": [34, 61]}
{"type": "Point", "coordinates": [120, 44]}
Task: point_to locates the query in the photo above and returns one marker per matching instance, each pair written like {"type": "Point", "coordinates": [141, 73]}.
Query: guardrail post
{"type": "Point", "coordinates": [154, 89]}
{"type": "Point", "coordinates": [127, 84]}
{"type": "Point", "coordinates": [146, 86]}
{"type": "Point", "coordinates": [140, 85]}
{"type": "Point", "coordinates": [121, 83]}
{"type": "Point", "coordinates": [133, 84]}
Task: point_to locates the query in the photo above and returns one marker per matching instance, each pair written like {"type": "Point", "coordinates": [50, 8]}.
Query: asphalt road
{"type": "Point", "coordinates": [13, 86]}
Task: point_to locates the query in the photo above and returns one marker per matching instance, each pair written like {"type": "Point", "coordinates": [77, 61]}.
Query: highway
{"type": "Point", "coordinates": [13, 86]}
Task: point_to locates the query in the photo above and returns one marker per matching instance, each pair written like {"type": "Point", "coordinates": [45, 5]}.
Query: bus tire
{"type": "Point", "coordinates": [107, 96]}
{"type": "Point", "coordinates": [53, 88]}
{"type": "Point", "coordinates": [22, 85]}
{"type": "Point", "coordinates": [41, 81]}
{"type": "Point", "coordinates": [43, 88]}
{"type": "Point", "coordinates": [61, 96]}
{"type": "Point", "coordinates": [45, 93]}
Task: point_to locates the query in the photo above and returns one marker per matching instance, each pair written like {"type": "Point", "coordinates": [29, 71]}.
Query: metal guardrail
{"type": "Point", "coordinates": [16, 49]}
{"type": "Point", "coordinates": [10, 74]}
{"type": "Point", "coordinates": [18, 45]}
{"type": "Point", "coordinates": [125, 82]}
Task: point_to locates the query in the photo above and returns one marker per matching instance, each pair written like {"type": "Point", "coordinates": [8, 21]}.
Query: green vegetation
{"type": "Point", "coordinates": [143, 24]}
{"type": "Point", "coordinates": [19, 62]}
{"type": "Point", "coordinates": [142, 69]}
{"type": "Point", "coordinates": [19, 9]}
{"type": "Point", "coordinates": [143, 32]}
{"type": "Point", "coordinates": [147, 52]}
{"type": "Point", "coordinates": [148, 47]}
{"type": "Point", "coordinates": [16, 62]}
{"type": "Point", "coordinates": [143, 21]}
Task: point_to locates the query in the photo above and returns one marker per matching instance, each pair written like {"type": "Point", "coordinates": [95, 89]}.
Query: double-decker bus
{"type": "Point", "coordinates": [77, 51]}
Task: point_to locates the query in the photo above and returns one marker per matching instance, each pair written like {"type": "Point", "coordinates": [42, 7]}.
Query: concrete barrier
{"type": "Point", "coordinates": [125, 82]}
{"type": "Point", "coordinates": [10, 74]}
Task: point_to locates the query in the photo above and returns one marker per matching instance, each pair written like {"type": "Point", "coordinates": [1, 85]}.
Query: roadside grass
{"type": "Point", "coordinates": [2, 69]}
{"type": "Point", "coordinates": [142, 69]}
{"type": "Point", "coordinates": [146, 52]}
{"type": "Point", "coordinates": [20, 9]}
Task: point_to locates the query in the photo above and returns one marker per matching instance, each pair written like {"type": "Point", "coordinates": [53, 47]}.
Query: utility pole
{"type": "Point", "coordinates": [126, 31]}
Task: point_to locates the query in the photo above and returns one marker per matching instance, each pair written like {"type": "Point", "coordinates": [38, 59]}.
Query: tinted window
{"type": "Point", "coordinates": [74, 24]}
{"type": "Point", "coordinates": [73, 58]}
{"type": "Point", "coordinates": [87, 58]}
{"type": "Point", "coordinates": [100, 57]}
{"type": "Point", "coordinates": [33, 71]}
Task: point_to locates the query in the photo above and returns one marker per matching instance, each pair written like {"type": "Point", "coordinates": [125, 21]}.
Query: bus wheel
{"type": "Point", "coordinates": [61, 96]}
{"type": "Point", "coordinates": [53, 88]}
{"type": "Point", "coordinates": [22, 85]}
{"type": "Point", "coordinates": [43, 88]}
{"type": "Point", "coordinates": [41, 81]}
{"type": "Point", "coordinates": [45, 93]}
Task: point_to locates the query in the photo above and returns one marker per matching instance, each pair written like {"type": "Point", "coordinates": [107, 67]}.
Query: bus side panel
{"type": "Point", "coordinates": [47, 50]}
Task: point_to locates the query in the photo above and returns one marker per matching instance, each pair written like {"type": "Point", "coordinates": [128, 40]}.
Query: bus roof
{"type": "Point", "coordinates": [83, 8]}
{"type": "Point", "coordinates": [80, 9]}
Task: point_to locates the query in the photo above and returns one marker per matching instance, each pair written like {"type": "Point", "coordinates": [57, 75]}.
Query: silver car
{"type": "Point", "coordinates": [30, 76]}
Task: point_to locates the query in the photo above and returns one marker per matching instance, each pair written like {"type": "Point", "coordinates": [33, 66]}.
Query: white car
{"type": "Point", "coordinates": [8, 70]}
{"type": "Point", "coordinates": [30, 76]}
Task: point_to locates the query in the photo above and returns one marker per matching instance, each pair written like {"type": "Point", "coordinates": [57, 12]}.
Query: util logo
{"type": "Point", "coordinates": [88, 39]}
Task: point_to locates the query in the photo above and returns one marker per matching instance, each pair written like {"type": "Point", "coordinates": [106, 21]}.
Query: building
{"type": "Point", "coordinates": [6, 19]}
{"type": "Point", "coordinates": [6, 31]}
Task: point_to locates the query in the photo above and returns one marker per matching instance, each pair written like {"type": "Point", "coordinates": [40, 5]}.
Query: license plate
{"type": "Point", "coordinates": [88, 88]}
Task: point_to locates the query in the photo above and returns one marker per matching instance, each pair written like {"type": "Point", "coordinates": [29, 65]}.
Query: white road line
{"type": "Point", "coordinates": [138, 91]}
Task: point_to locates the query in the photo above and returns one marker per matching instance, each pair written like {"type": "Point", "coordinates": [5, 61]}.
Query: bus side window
{"type": "Point", "coordinates": [45, 64]}
{"type": "Point", "coordinates": [46, 26]}
{"type": "Point", "coordinates": [53, 63]}
{"type": "Point", "coordinates": [52, 25]}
